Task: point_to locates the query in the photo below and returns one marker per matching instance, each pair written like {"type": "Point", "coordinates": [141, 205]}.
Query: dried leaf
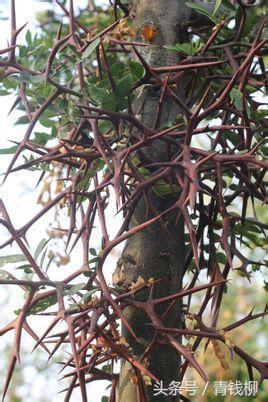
{"type": "Point", "coordinates": [219, 354]}
{"type": "Point", "coordinates": [136, 285]}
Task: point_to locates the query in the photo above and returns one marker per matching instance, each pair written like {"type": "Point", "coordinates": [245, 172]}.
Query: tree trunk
{"type": "Point", "coordinates": [155, 252]}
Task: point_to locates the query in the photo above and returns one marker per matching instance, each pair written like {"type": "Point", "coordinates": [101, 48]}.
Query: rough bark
{"type": "Point", "coordinates": [156, 252]}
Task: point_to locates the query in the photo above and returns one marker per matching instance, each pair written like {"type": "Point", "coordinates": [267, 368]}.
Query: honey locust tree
{"type": "Point", "coordinates": [157, 107]}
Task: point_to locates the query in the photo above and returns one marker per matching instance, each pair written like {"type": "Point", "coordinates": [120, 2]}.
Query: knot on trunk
{"type": "Point", "coordinates": [127, 271]}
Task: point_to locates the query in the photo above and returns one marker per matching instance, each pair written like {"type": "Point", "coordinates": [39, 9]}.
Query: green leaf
{"type": "Point", "coordinates": [99, 164]}
{"type": "Point", "coordinates": [46, 122]}
{"type": "Point", "coordinates": [188, 48]}
{"type": "Point", "coordinates": [85, 182]}
{"type": "Point", "coordinates": [40, 247]}
{"type": "Point", "coordinates": [136, 69]}
{"type": "Point", "coordinates": [44, 304]}
{"type": "Point", "coordinates": [4, 274]}
{"type": "Point", "coordinates": [96, 259]}
{"type": "Point", "coordinates": [107, 368]}
{"type": "Point", "coordinates": [87, 274]}
{"type": "Point", "coordinates": [42, 259]}
{"type": "Point", "coordinates": [22, 120]}
{"type": "Point", "coordinates": [24, 77]}
{"type": "Point", "coordinates": [87, 296]}
{"type": "Point", "coordinates": [259, 114]}
{"type": "Point", "coordinates": [93, 251]}
{"type": "Point", "coordinates": [248, 227]}
{"type": "Point", "coordinates": [41, 138]}
{"type": "Point", "coordinates": [12, 258]}
{"type": "Point", "coordinates": [75, 289]}
{"type": "Point", "coordinates": [162, 188]}
{"type": "Point", "coordinates": [8, 151]}
{"type": "Point", "coordinates": [90, 49]}
{"type": "Point", "coordinates": [118, 70]}
{"type": "Point", "coordinates": [26, 268]}
{"type": "Point", "coordinates": [232, 137]}
{"type": "Point", "coordinates": [237, 98]}
{"type": "Point", "coordinates": [216, 6]}
{"type": "Point", "coordinates": [36, 51]}
{"type": "Point", "coordinates": [101, 96]}
{"type": "Point", "coordinates": [124, 86]}
{"type": "Point", "coordinates": [3, 92]}
{"type": "Point", "coordinates": [122, 91]}
{"type": "Point", "coordinates": [221, 258]}
{"type": "Point", "coordinates": [202, 10]}
{"type": "Point", "coordinates": [38, 79]}
{"type": "Point", "coordinates": [28, 37]}
{"type": "Point", "coordinates": [9, 83]}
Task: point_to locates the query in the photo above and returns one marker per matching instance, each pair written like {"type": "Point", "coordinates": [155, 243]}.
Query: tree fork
{"type": "Point", "coordinates": [158, 251]}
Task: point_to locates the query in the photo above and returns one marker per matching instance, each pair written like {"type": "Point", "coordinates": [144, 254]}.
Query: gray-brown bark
{"type": "Point", "coordinates": [154, 252]}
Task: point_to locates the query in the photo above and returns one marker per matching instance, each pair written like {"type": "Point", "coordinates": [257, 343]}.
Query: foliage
{"type": "Point", "coordinates": [78, 79]}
